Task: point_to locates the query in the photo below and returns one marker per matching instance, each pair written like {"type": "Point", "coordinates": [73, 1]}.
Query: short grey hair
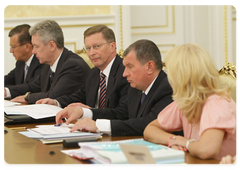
{"type": "Point", "coordinates": [48, 30]}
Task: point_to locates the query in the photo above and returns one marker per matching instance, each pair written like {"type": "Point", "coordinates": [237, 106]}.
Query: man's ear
{"type": "Point", "coordinates": [28, 47]}
{"type": "Point", "coordinates": [113, 46]}
{"type": "Point", "coordinates": [52, 45]}
{"type": "Point", "coordinates": [150, 67]}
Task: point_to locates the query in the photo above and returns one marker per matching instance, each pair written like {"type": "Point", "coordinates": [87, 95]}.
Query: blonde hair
{"type": "Point", "coordinates": [193, 77]}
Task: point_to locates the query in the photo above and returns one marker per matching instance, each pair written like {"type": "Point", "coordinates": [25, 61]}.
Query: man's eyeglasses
{"type": "Point", "coordinates": [95, 47]}
{"type": "Point", "coordinates": [12, 48]}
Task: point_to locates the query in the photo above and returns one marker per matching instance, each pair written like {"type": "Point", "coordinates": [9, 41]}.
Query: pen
{"type": "Point", "coordinates": [64, 119]}
{"type": "Point", "coordinates": [19, 128]}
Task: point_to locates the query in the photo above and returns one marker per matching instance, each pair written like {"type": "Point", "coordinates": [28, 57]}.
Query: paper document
{"type": "Point", "coordinates": [52, 132]}
{"type": "Point", "coordinates": [35, 135]}
{"type": "Point", "coordinates": [36, 111]}
{"type": "Point", "coordinates": [8, 103]}
{"type": "Point", "coordinates": [52, 129]}
{"type": "Point", "coordinates": [111, 152]}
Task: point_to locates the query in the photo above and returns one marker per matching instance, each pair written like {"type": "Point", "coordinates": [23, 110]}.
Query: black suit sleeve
{"type": "Point", "coordinates": [9, 79]}
{"type": "Point", "coordinates": [78, 96]}
{"type": "Point", "coordinates": [72, 76]}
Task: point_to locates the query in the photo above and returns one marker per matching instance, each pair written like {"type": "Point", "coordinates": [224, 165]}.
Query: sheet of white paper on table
{"type": "Point", "coordinates": [70, 125]}
{"type": "Point", "coordinates": [9, 103]}
{"type": "Point", "coordinates": [36, 111]}
{"type": "Point", "coordinates": [51, 130]}
{"type": "Point", "coordinates": [31, 134]}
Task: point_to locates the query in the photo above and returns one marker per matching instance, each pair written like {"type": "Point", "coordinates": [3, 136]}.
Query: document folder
{"type": "Point", "coordinates": [22, 119]}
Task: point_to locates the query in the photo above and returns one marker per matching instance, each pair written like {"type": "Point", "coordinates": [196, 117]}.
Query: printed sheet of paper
{"type": "Point", "coordinates": [51, 130]}
{"type": "Point", "coordinates": [8, 103]}
{"type": "Point", "coordinates": [36, 111]}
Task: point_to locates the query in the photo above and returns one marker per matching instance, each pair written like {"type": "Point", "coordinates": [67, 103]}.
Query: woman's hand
{"type": "Point", "coordinates": [178, 143]}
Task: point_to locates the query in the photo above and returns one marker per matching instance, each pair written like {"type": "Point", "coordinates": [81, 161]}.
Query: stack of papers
{"type": "Point", "coordinates": [36, 111]}
{"type": "Point", "coordinates": [51, 132]}
{"type": "Point", "coordinates": [111, 152]}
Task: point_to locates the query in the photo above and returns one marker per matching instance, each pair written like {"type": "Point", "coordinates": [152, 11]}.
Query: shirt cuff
{"type": "Point", "coordinates": [58, 104]}
{"type": "Point", "coordinates": [87, 113]}
{"type": "Point", "coordinates": [8, 94]}
{"type": "Point", "coordinates": [104, 126]}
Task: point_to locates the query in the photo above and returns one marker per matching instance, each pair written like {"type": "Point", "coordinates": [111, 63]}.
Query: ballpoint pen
{"type": "Point", "coordinates": [19, 128]}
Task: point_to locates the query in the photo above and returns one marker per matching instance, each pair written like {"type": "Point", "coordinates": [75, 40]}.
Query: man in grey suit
{"type": "Point", "coordinates": [64, 71]}
{"type": "Point", "coordinates": [27, 65]}
{"type": "Point", "coordinates": [149, 93]}
{"type": "Point", "coordinates": [100, 45]}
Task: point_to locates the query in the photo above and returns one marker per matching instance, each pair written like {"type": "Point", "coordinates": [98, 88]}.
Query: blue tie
{"type": "Point", "coordinates": [143, 97]}
{"type": "Point", "coordinates": [51, 76]}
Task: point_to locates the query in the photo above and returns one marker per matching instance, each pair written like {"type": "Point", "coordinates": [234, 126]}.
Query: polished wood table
{"type": "Point", "coordinates": [19, 149]}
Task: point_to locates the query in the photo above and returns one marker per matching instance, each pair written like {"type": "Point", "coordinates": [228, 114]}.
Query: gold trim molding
{"type": "Point", "coordinates": [225, 36]}
{"type": "Point", "coordinates": [163, 26]}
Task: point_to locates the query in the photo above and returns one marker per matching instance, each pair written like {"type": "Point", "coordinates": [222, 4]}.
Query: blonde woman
{"type": "Point", "coordinates": [205, 113]}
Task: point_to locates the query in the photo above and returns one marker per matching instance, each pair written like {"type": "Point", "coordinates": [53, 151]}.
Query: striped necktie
{"type": "Point", "coordinates": [102, 96]}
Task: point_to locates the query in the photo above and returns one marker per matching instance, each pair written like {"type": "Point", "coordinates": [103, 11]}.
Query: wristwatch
{"type": "Point", "coordinates": [26, 96]}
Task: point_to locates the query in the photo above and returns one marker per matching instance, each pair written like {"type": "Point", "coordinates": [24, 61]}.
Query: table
{"type": "Point", "coordinates": [19, 149]}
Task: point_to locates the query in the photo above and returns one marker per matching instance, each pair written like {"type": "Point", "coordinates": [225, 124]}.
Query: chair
{"type": "Point", "coordinates": [84, 55]}
{"type": "Point", "coordinates": [228, 78]}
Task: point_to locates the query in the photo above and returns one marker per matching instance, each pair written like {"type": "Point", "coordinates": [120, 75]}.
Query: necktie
{"type": "Point", "coordinates": [51, 76]}
{"type": "Point", "coordinates": [102, 95]}
{"type": "Point", "coordinates": [25, 71]}
{"type": "Point", "coordinates": [143, 97]}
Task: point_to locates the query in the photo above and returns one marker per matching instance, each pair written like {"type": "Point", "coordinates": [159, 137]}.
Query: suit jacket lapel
{"type": "Point", "coordinates": [150, 94]}
{"type": "Point", "coordinates": [94, 89]}
{"type": "Point", "coordinates": [20, 79]}
{"type": "Point", "coordinates": [45, 83]}
{"type": "Point", "coordinates": [59, 65]}
{"type": "Point", "coordinates": [112, 78]}
{"type": "Point", "coordinates": [31, 68]}
{"type": "Point", "coordinates": [135, 105]}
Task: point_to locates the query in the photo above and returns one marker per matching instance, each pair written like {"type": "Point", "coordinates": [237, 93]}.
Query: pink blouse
{"type": "Point", "coordinates": [217, 113]}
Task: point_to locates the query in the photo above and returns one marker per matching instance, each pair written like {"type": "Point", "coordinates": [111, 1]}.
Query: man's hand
{"type": "Point", "coordinates": [85, 124]}
{"type": "Point", "coordinates": [47, 101]}
{"type": "Point", "coordinates": [19, 99]}
{"type": "Point", "coordinates": [4, 93]}
{"type": "Point", "coordinates": [79, 105]}
{"type": "Point", "coordinates": [71, 113]}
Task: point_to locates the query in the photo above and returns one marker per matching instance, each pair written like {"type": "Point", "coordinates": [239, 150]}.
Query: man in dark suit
{"type": "Point", "coordinates": [64, 71]}
{"type": "Point", "coordinates": [100, 45]}
{"type": "Point", "coordinates": [149, 93]}
{"type": "Point", "coordinates": [27, 65]}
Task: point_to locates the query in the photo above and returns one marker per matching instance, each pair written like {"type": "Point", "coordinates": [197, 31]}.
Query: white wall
{"type": "Point", "coordinates": [212, 27]}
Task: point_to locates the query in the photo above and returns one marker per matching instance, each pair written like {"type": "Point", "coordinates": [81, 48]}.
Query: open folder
{"type": "Point", "coordinates": [34, 113]}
